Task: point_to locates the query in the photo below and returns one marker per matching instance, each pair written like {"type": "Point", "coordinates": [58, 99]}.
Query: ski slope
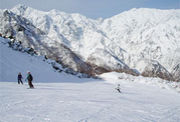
{"type": "Point", "coordinates": [88, 101]}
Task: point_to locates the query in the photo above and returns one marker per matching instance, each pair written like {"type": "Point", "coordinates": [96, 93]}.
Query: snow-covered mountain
{"type": "Point", "coordinates": [21, 30]}
{"type": "Point", "coordinates": [147, 34]}
{"type": "Point", "coordinates": [129, 42]}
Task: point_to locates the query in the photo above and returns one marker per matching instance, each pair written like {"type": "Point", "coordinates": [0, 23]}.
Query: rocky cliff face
{"type": "Point", "coordinates": [154, 69]}
{"type": "Point", "coordinates": [123, 43]}
{"type": "Point", "coordinates": [176, 73]}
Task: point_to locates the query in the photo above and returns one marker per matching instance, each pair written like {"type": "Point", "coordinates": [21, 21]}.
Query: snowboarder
{"type": "Point", "coordinates": [118, 88]}
{"type": "Point", "coordinates": [30, 78]}
{"type": "Point", "coordinates": [20, 78]}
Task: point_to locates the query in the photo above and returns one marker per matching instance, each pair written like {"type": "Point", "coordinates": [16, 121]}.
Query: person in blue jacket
{"type": "Point", "coordinates": [20, 78]}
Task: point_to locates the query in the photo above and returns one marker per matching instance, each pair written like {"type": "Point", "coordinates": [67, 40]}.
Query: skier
{"type": "Point", "coordinates": [20, 78]}
{"type": "Point", "coordinates": [30, 78]}
{"type": "Point", "coordinates": [118, 88]}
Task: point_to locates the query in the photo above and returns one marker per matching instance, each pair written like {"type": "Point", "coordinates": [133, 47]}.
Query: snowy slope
{"type": "Point", "coordinates": [122, 42]}
{"type": "Point", "coordinates": [12, 62]}
{"type": "Point", "coordinates": [96, 101]}
{"type": "Point", "coordinates": [71, 29]}
{"type": "Point", "coordinates": [146, 34]}
{"type": "Point", "coordinates": [82, 35]}
{"type": "Point", "coordinates": [21, 30]}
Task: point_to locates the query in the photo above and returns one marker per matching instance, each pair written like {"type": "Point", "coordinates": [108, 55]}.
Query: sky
{"type": "Point", "coordinates": [92, 8]}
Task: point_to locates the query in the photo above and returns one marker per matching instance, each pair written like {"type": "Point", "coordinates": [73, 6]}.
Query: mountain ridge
{"type": "Point", "coordinates": [124, 40]}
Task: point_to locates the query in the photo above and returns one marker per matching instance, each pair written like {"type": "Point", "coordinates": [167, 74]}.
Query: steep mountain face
{"type": "Point", "coordinates": [147, 34]}
{"type": "Point", "coordinates": [120, 43]}
{"type": "Point", "coordinates": [176, 73]}
{"type": "Point", "coordinates": [82, 35]}
{"type": "Point", "coordinates": [21, 30]}
{"type": "Point", "coordinates": [154, 69]}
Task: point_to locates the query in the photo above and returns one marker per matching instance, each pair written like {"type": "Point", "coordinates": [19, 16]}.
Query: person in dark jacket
{"type": "Point", "coordinates": [30, 78]}
{"type": "Point", "coordinates": [118, 88]}
{"type": "Point", "coordinates": [20, 78]}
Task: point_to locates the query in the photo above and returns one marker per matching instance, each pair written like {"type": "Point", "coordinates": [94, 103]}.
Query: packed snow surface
{"type": "Point", "coordinates": [88, 101]}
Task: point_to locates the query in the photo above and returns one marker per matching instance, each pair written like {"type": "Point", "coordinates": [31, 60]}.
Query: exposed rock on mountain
{"type": "Point", "coordinates": [154, 69]}
{"type": "Point", "coordinates": [176, 73]}
{"type": "Point", "coordinates": [21, 30]}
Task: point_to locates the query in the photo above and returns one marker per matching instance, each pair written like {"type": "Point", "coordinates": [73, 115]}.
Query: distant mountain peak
{"type": "Point", "coordinates": [20, 7]}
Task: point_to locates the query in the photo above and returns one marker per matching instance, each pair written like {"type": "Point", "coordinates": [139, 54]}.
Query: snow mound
{"type": "Point", "coordinates": [118, 78]}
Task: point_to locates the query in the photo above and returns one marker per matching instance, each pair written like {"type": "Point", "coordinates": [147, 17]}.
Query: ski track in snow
{"type": "Point", "coordinates": [96, 101]}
